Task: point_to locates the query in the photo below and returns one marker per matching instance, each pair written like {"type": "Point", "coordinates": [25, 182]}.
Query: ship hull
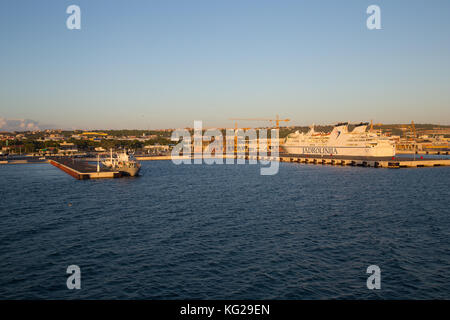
{"type": "Point", "coordinates": [385, 151]}
{"type": "Point", "coordinates": [436, 148]}
{"type": "Point", "coordinates": [132, 172]}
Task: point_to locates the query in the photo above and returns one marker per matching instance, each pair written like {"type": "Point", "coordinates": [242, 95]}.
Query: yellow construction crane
{"type": "Point", "coordinates": [277, 120]}
{"type": "Point", "coordinates": [236, 127]}
{"type": "Point", "coordinates": [235, 134]}
{"type": "Point", "coordinates": [412, 129]}
{"type": "Point", "coordinates": [277, 124]}
{"type": "Point", "coordinates": [374, 124]}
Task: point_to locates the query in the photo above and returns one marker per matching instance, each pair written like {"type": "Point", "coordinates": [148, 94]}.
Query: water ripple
{"type": "Point", "coordinates": [225, 232]}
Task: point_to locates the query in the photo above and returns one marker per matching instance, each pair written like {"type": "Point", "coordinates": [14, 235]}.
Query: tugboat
{"type": "Point", "coordinates": [124, 163]}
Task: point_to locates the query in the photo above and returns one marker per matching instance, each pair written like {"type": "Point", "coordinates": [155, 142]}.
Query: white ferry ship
{"type": "Point", "coordinates": [340, 142]}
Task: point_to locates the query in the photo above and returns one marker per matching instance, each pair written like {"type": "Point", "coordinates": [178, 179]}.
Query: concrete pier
{"type": "Point", "coordinates": [81, 170]}
{"type": "Point", "coordinates": [395, 162]}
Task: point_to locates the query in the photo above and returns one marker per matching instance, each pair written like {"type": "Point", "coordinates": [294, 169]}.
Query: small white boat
{"type": "Point", "coordinates": [124, 163]}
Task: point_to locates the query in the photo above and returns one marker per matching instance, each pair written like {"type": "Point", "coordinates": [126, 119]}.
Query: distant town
{"type": "Point", "coordinates": [408, 137]}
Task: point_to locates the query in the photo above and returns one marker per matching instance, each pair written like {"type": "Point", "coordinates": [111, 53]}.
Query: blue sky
{"type": "Point", "coordinates": [164, 64]}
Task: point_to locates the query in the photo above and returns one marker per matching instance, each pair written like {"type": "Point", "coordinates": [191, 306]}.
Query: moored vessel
{"type": "Point", "coordinates": [124, 163]}
{"type": "Point", "coordinates": [340, 141]}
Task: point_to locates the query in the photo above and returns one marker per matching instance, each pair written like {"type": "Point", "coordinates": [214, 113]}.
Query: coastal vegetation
{"type": "Point", "coordinates": [35, 141]}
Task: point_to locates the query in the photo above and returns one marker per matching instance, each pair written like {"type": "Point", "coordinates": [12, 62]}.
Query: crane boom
{"type": "Point", "coordinates": [277, 120]}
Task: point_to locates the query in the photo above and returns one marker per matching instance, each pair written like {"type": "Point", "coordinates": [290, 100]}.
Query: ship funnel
{"type": "Point", "coordinates": [360, 127]}
{"type": "Point", "coordinates": [339, 129]}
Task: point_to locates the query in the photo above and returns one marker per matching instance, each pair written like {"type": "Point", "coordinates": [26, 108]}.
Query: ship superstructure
{"type": "Point", "coordinates": [340, 142]}
{"type": "Point", "coordinates": [123, 162]}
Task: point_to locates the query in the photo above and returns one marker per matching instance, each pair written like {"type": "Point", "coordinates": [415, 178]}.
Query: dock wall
{"type": "Point", "coordinates": [84, 175]}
